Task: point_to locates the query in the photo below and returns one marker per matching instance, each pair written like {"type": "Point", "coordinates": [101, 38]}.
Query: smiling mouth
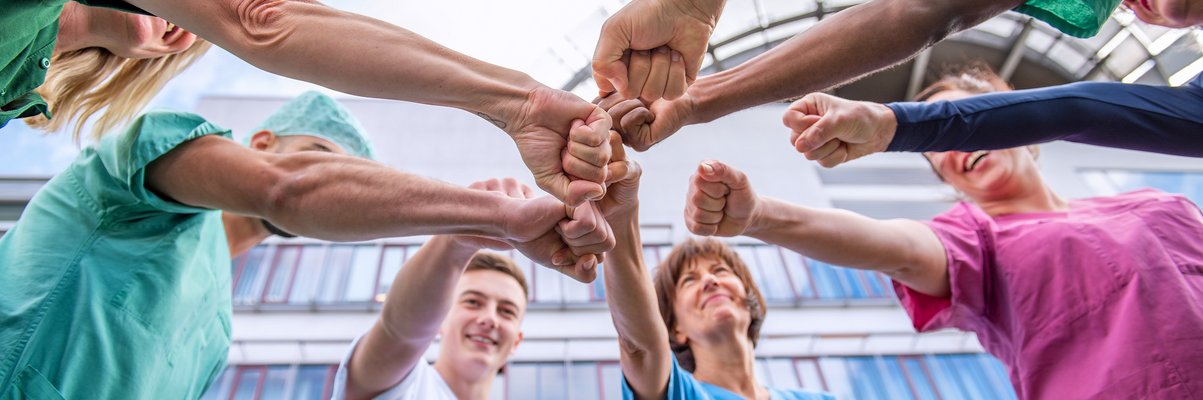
{"type": "Point", "coordinates": [974, 158]}
{"type": "Point", "coordinates": [481, 339]}
{"type": "Point", "coordinates": [713, 298]}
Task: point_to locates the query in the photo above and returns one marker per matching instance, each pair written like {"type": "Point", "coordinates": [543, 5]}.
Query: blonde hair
{"type": "Point", "coordinates": [86, 82]}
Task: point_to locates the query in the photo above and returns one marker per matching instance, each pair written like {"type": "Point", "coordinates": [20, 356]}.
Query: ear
{"type": "Point", "coordinates": [517, 342]}
{"type": "Point", "coordinates": [263, 140]}
{"type": "Point", "coordinates": [679, 337]}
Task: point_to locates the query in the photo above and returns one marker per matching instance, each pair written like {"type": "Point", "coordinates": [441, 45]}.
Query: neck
{"type": "Point", "coordinates": [242, 233]}
{"type": "Point", "coordinates": [74, 29]}
{"type": "Point", "coordinates": [1040, 198]}
{"type": "Point", "coordinates": [729, 364]}
{"type": "Point", "coordinates": [466, 387]}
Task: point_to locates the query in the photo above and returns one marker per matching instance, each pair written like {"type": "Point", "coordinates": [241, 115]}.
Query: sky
{"type": "Point", "coordinates": [548, 39]}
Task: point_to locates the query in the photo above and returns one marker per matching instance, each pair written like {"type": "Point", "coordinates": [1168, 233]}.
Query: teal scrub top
{"type": "Point", "coordinates": [28, 30]}
{"type": "Point", "coordinates": [109, 291]}
{"type": "Point", "coordinates": [1077, 18]}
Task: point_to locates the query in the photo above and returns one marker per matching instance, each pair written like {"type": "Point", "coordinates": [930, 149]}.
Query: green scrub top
{"type": "Point", "coordinates": [28, 30]}
{"type": "Point", "coordinates": [1077, 18]}
{"type": "Point", "coordinates": [109, 291]}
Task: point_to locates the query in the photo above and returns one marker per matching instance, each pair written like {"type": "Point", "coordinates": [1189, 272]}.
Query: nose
{"type": "Point", "coordinates": [486, 319]}
{"type": "Point", "coordinates": [709, 282]}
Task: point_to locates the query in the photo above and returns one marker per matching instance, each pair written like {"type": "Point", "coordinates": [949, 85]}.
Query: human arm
{"type": "Point", "coordinates": [1137, 117]}
{"type": "Point", "coordinates": [417, 303]}
{"type": "Point", "coordinates": [342, 198]}
{"type": "Point", "coordinates": [840, 48]}
{"type": "Point", "coordinates": [721, 202]}
{"type": "Point", "coordinates": [356, 54]}
{"type": "Point", "coordinates": [644, 353]}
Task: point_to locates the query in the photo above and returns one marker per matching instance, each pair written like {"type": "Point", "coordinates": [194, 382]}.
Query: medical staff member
{"type": "Point", "coordinates": [690, 332]}
{"type": "Point", "coordinates": [1091, 298]}
{"type": "Point", "coordinates": [89, 57]}
{"type": "Point", "coordinates": [116, 277]}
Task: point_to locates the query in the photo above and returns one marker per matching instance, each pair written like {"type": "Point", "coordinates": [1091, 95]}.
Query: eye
{"type": "Point", "coordinates": [722, 269]}
{"type": "Point", "coordinates": [472, 302]}
{"type": "Point", "coordinates": [509, 312]}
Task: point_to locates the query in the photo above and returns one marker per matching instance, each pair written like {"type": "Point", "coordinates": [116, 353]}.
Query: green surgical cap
{"type": "Point", "coordinates": [318, 115]}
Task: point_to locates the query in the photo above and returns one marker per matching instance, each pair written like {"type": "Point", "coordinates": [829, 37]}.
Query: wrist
{"type": "Point", "coordinates": [762, 218]}
{"type": "Point", "coordinates": [507, 101]}
{"type": "Point", "coordinates": [887, 125]}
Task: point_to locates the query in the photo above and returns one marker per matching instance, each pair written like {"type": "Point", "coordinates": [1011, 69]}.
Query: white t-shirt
{"type": "Point", "coordinates": [422, 383]}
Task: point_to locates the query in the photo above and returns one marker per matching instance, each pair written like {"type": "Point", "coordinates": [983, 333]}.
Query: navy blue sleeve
{"type": "Point", "coordinates": [1158, 119]}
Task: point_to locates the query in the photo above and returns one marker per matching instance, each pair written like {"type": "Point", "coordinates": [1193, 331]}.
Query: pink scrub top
{"type": "Point", "coordinates": [1102, 301]}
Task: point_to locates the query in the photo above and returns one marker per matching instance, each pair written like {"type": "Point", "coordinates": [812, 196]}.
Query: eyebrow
{"type": "Point", "coordinates": [471, 292]}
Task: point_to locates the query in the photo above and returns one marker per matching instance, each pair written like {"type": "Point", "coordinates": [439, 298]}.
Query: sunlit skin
{"type": "Point", "coordinates": [482, 330]}
{"type": "Point", "coordinates": [244, 233]}
{"type": "Point", "coordinates": [1001, 182]}
{"type": "Point", "coordinates": [124, 34]}
{"type": "Point", "coordinates": [1170, 13]}
{"type": "Point", "coordinates": [711, 303]}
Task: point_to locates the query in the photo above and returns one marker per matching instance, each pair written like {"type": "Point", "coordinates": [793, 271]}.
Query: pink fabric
{"type": "Point", "coordinates": [1103, 301]}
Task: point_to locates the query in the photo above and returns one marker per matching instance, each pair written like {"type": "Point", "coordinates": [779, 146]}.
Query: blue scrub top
{"type": "Point", "coordinates": [683, 386]}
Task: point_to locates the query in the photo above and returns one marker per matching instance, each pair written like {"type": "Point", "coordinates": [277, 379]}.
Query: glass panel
{"type": "Point", "coordinates": [364, 267]}
{"type": "Point", "coordinates": [304, 285]}
{"type": "Point", "coordinates": [827, 279]}
{"type": "Point", "coordinates": [799, 274]}
{"type": "Point", "coordinates": [781, 374]}
{"type": "Point", "coordinates": [776, 279]}
{"type": "Point", "coordinates": [247, 289]}
{"type": "Point", "coordinates": [651, 257]}
{"type": "Point", "coordinates": [394, 257]}
{"type": "Point", "coordinates": [575, 292]}
{"type": "Point", "coordinates": [971, 375]}
{"type": "Point", "coordinates": [999, 379]}
{"type": "Point", "coordinates": [220, 388]}
{"type": "Point", "coordinates": [611, 381]}
{"type": "Point", "coordinates": [920, 381]}
{"type": "Point", "coordinates": [529, 268]}
{"type": "Point", "coordinates": [947, 379]}
{"type": "Point", "coordinates": [552, 379]}
{"type": "Point", "coordinates": [583, 381]}
{"type": "Point", "coordinates": [853, 286]}
{"type": "Point", "coordinates": [748, 255]}
{"type": "Point", "coordinates": [598, 287]}
{"type": "Point", "coordinates": [866, 379]}
{"type": "Point", "coordinates": [893, 381]}
{"type": "Point", "coordinates": [248, 383]}
{"type": "Point", "coordinates": [809, 375]}
{"type": "Point", "coordinates": [339, 260]}
{"type": "Point", "coordinates": [547, 285]}
{"type": "Point", "coordinates": [836, 373]}
{"type": "Point", "coordinates": [310, 382]}
{"type": "Point", "coordinates": [283, 266]}
{"type": "Point", "coordinates": [521, 380]}
{"type": "Point", "coordinates": [278, 378]}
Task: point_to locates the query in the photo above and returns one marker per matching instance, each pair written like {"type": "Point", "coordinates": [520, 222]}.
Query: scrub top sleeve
{"type": "Point", "coordinates": [1157, 119]}
{"type": "Point", "coordinates": [118, 5]}
{"type": "Point", "coordinates": [968, 244]}
{"type": "Point", "coordinates": [149, 137]}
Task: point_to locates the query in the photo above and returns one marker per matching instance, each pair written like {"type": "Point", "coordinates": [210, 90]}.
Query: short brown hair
{"type": "Point", "coordinates": [490, 261]}
{"type": "Point", "coordinates": [669, 272]}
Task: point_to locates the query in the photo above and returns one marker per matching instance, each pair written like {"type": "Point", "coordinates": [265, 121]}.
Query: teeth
{"type": "Point", "coordinates": [974, 158]}
{"type": "Point", "coordinates": [481, 339]}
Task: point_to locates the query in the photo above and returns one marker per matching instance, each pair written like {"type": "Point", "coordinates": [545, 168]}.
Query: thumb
{"type": "Point", "coordinates": [717, 171]}
{"type": "Point", "coordinates": [609, 70]}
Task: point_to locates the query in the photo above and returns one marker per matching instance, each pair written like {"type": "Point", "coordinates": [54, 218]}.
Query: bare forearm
{"type": "Point", "coordinates": [344, 199]}
{"type": "Point", "coordinates": [352, 53]}
{"type": "Point", "coordinates": [629, 291]}
{"type": "Point", "coordinates": [642, 338]}
{"type": "Point", "coordinates": [841, 48]}
{"type": "Point", "coordinates": [904, 249]}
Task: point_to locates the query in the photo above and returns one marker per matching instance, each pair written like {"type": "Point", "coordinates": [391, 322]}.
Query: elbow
{"type": "Point", "coordinates": [284, 190]}
{"type": "Point", "coordinates": [261, 26]}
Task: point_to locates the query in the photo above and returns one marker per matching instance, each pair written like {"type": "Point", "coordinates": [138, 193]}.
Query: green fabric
{"type": "Point", "coordinates": [1077, 18]}
{"type": "Point", "coordinates": [110, 291]}
{"type": "Point", "coordinates": [30, 28]}
{"type": "Point", "coordinates": [315, 114]}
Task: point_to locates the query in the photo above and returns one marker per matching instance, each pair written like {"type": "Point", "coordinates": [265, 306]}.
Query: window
{"type": "Point", "coordinates": [1112, 182]}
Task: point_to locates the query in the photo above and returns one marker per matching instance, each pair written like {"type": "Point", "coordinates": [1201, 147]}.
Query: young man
{"type": "Point", "coordinates": [117, 279]}
{"type": "Point", "coordinates": [474, 300]}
